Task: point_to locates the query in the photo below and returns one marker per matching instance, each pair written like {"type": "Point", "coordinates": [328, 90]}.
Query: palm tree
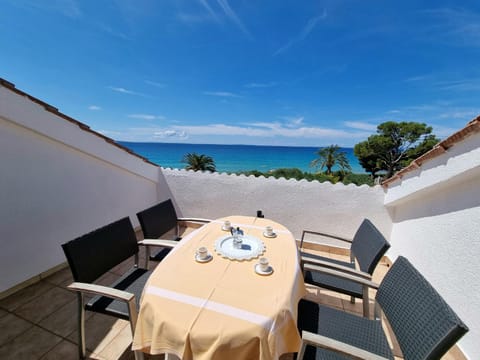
{"type": "Point", "coordinates": [330, 156]}
{"type": "Point", "coordinates": [198, 162]}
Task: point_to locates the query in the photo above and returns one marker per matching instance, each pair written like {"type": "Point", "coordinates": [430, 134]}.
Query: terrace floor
{"type": "Point", "coordinates": [39, 322]}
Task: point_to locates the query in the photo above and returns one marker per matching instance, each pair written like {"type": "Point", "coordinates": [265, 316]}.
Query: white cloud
{"type": "Point", "coordinates": [154, 83]}
{"type": "Point", "coordinates": [395, 111]}
{"type": "Point", "coordinates": [170, 134]}
{"type": "Point", "coordinates": [460, 114]}
{"type": "Point", "coordinates": [69, 8]}
{"type": "Point", "coordinates": [233, 16]}
{"type": "Point", "coordinates": [292, 121]}
{"type": "Point", "coordinates": [359, 125]}
{"type": "Point", "coordinates": [122, 90]}
{"type": "Point", "coordinates": [260, 85]}
{"type": "Point", "coordinates": [209, 9]}
{"type": "Point", "coordinates": [94, 107]}
{"type": "Point", "coordinates": [458, 27]}
{"type": "Point", "coordinates": [146, 117]}
{"type": "Point", "coordinates": [306, 30]}
{"type": "Point", "coordinates": [221, 94]}
{"type": "Point", "coordinates": [269, 130]}
{"type": "Point", "coordinates": [460, 85]}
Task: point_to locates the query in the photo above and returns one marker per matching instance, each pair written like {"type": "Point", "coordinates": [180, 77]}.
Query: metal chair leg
{"type": "Point", "coordinates": [81, 326]}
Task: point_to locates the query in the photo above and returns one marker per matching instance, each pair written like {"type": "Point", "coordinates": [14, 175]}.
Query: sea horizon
{"type": "Point", "coordinates": [237, 157]}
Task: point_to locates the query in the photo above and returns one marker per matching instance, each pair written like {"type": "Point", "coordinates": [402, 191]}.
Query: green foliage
{"type": "Point", "coordinates": [198, 162]}
{"type": "Point", "coordinates": [358, 179]}
{"type": "Point", "coordinates": [394, 146]}
{"type": "Point", "coordinates": [294, 173]}
{"type": "Point", "coordinates": [330, 156]}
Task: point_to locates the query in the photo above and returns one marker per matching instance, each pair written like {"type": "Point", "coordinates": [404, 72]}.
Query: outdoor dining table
{"type": "Point", "coordinates": [223, 309]}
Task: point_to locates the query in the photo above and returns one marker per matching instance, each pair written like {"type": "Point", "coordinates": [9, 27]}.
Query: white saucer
{"type": "Point", "coordinates": [273, 235]}
{"type": "Point", "coordinates": [269, 270]}
{"type": "Point", "coordinates": [207, 259]}
{"type": "Point", "coordinates": [226, 228]}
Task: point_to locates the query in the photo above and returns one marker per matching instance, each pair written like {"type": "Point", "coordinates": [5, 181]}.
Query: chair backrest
{"type": "Point", "coordinates": [423, 323]}
{"type": "Point", "coordinates": [368, 246]}
{"type": "Point", "coordinates": [93, 254]}
{"type": "Point", "coordinates": [158, 219]}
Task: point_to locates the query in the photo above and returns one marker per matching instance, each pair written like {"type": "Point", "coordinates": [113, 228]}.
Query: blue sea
{"type": "Point", "coordinates": [232, 158]}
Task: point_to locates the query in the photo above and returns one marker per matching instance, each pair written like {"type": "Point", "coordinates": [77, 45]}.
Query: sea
{"type": "Point", "coordinates": [234, 158]}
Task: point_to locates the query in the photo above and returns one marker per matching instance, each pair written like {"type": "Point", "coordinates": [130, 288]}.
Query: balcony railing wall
{"type": "Point", "coordinates": [299, 205]}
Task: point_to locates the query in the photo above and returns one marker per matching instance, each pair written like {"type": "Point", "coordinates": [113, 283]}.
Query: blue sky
{"type": "Point", "coordinates": [310, 73]}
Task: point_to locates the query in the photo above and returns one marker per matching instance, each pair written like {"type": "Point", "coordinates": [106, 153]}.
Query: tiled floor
{"type": "Point", "coordinates": [39, 322]}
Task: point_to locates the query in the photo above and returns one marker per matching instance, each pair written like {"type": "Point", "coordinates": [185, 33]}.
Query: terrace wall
{"type": "Point", "coordinates": [436, 224]}
{"type": "Point", "coordinates": [59, 181]}
{"type": "Point", "coordinates": [298, 205]}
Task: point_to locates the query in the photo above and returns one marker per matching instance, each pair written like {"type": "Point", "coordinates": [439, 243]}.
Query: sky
{"type": "Point", "coordinates": [294, 73]}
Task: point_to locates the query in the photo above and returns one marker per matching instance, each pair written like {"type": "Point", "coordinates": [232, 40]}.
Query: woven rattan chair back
{"type": "Point", "coordinates": [368, 246]}
{"type": "Point", "coordinates": [158, 219]}
{"type": "Point", "coordinates": [424, 324]}
{"type": "Point", "coordinates": [93, 254]}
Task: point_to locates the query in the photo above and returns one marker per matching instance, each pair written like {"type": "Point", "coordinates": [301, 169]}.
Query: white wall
{"type": "Point", "coordinates": [298, 205]}
{"type": "Point", "coordinates": [436, 225]}
{"type": "Point", "coordinates": [58, 182]}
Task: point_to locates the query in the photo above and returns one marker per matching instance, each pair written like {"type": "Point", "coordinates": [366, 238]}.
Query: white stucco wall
{"type": "Point", "coordinates": [436, 225]}
{"type": "Point", "coordinates": [298, 205]}
{"type": "Point", "coordinates": [58, 182]}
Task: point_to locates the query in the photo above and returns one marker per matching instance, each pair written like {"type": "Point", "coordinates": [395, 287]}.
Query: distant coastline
{"type": "Point", "coordinates": [235, 158]}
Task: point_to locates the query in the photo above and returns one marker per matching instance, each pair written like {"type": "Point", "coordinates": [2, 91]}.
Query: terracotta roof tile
{"type": "Point", "coordinates": [473, 126]}
{"type": "Point", "coordinates": [10, 86]}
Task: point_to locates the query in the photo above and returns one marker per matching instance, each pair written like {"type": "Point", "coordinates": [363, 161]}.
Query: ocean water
{"type": "Point", "coordinates": [232, 158]}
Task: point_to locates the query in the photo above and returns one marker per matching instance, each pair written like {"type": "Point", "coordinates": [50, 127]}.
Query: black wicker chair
{"type": "Point", "coordinates": [158, 220]}
{"type": "Point", "coordinates": [423, 324]}
{"type": "Point", "coordinates": [92, 255]}
{"type": "Point", "coordinates": [367, 248]}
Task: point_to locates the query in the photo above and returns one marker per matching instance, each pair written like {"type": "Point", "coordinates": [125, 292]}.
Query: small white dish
{"type": "Point", "coordinates": [272, 235]}
{"type": "Point", "coordinates": [200, 260]}
{"type": "Point", "coordinates": [259, 270]}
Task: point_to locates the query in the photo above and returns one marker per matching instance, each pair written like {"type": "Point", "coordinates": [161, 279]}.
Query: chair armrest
{"type": "Point", "coordinates": [101, 290]}
{"type": "Point", "coordinates": [310, 260]}
{"type": "Point", "coordinates": [195, 220]}
{"type": "Point", "coordinates": [341, 274]}
{"type": "Point", "coordinates": [326, 235]}
{"type": "Point", "coordinates": [338, 346]}
{"type": "Point", "coordinates": [158, 242]}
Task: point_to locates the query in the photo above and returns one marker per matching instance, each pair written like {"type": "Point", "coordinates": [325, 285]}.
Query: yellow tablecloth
{"type": "Point", "coordinates": [223, 309]}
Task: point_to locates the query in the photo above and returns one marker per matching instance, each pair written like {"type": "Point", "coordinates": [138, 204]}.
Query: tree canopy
{"type": "Point", "coordinates": [394, 146]}
{"type": "Point", "coordinates": [199, 162]}
{"type": "Point", "coordinates": [330, 156]}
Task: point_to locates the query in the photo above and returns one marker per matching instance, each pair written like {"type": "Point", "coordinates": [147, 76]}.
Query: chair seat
{"type": "Point", "coordinates": [339, 325]}
{"type": "Point", "coordinates": [133, 281]}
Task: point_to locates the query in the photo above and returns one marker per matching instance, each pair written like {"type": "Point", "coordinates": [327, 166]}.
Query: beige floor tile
{"type": "Point", "coordinates": [63, 321]}
{"type": "Point", "coordinates": [100, 330]}
{"type": "Point", "coordinates": [45, 304]}
{"type": "Point", "coordinates": [11, 326]}
{"type": "Point", "coordinates": [61, 278]}
{"type": "Point", "coordinates": [25, 295]}
{"type": "Point", "coordinates": [119, 345]}
{"type": "Point", "coordinates": [32, 344]}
